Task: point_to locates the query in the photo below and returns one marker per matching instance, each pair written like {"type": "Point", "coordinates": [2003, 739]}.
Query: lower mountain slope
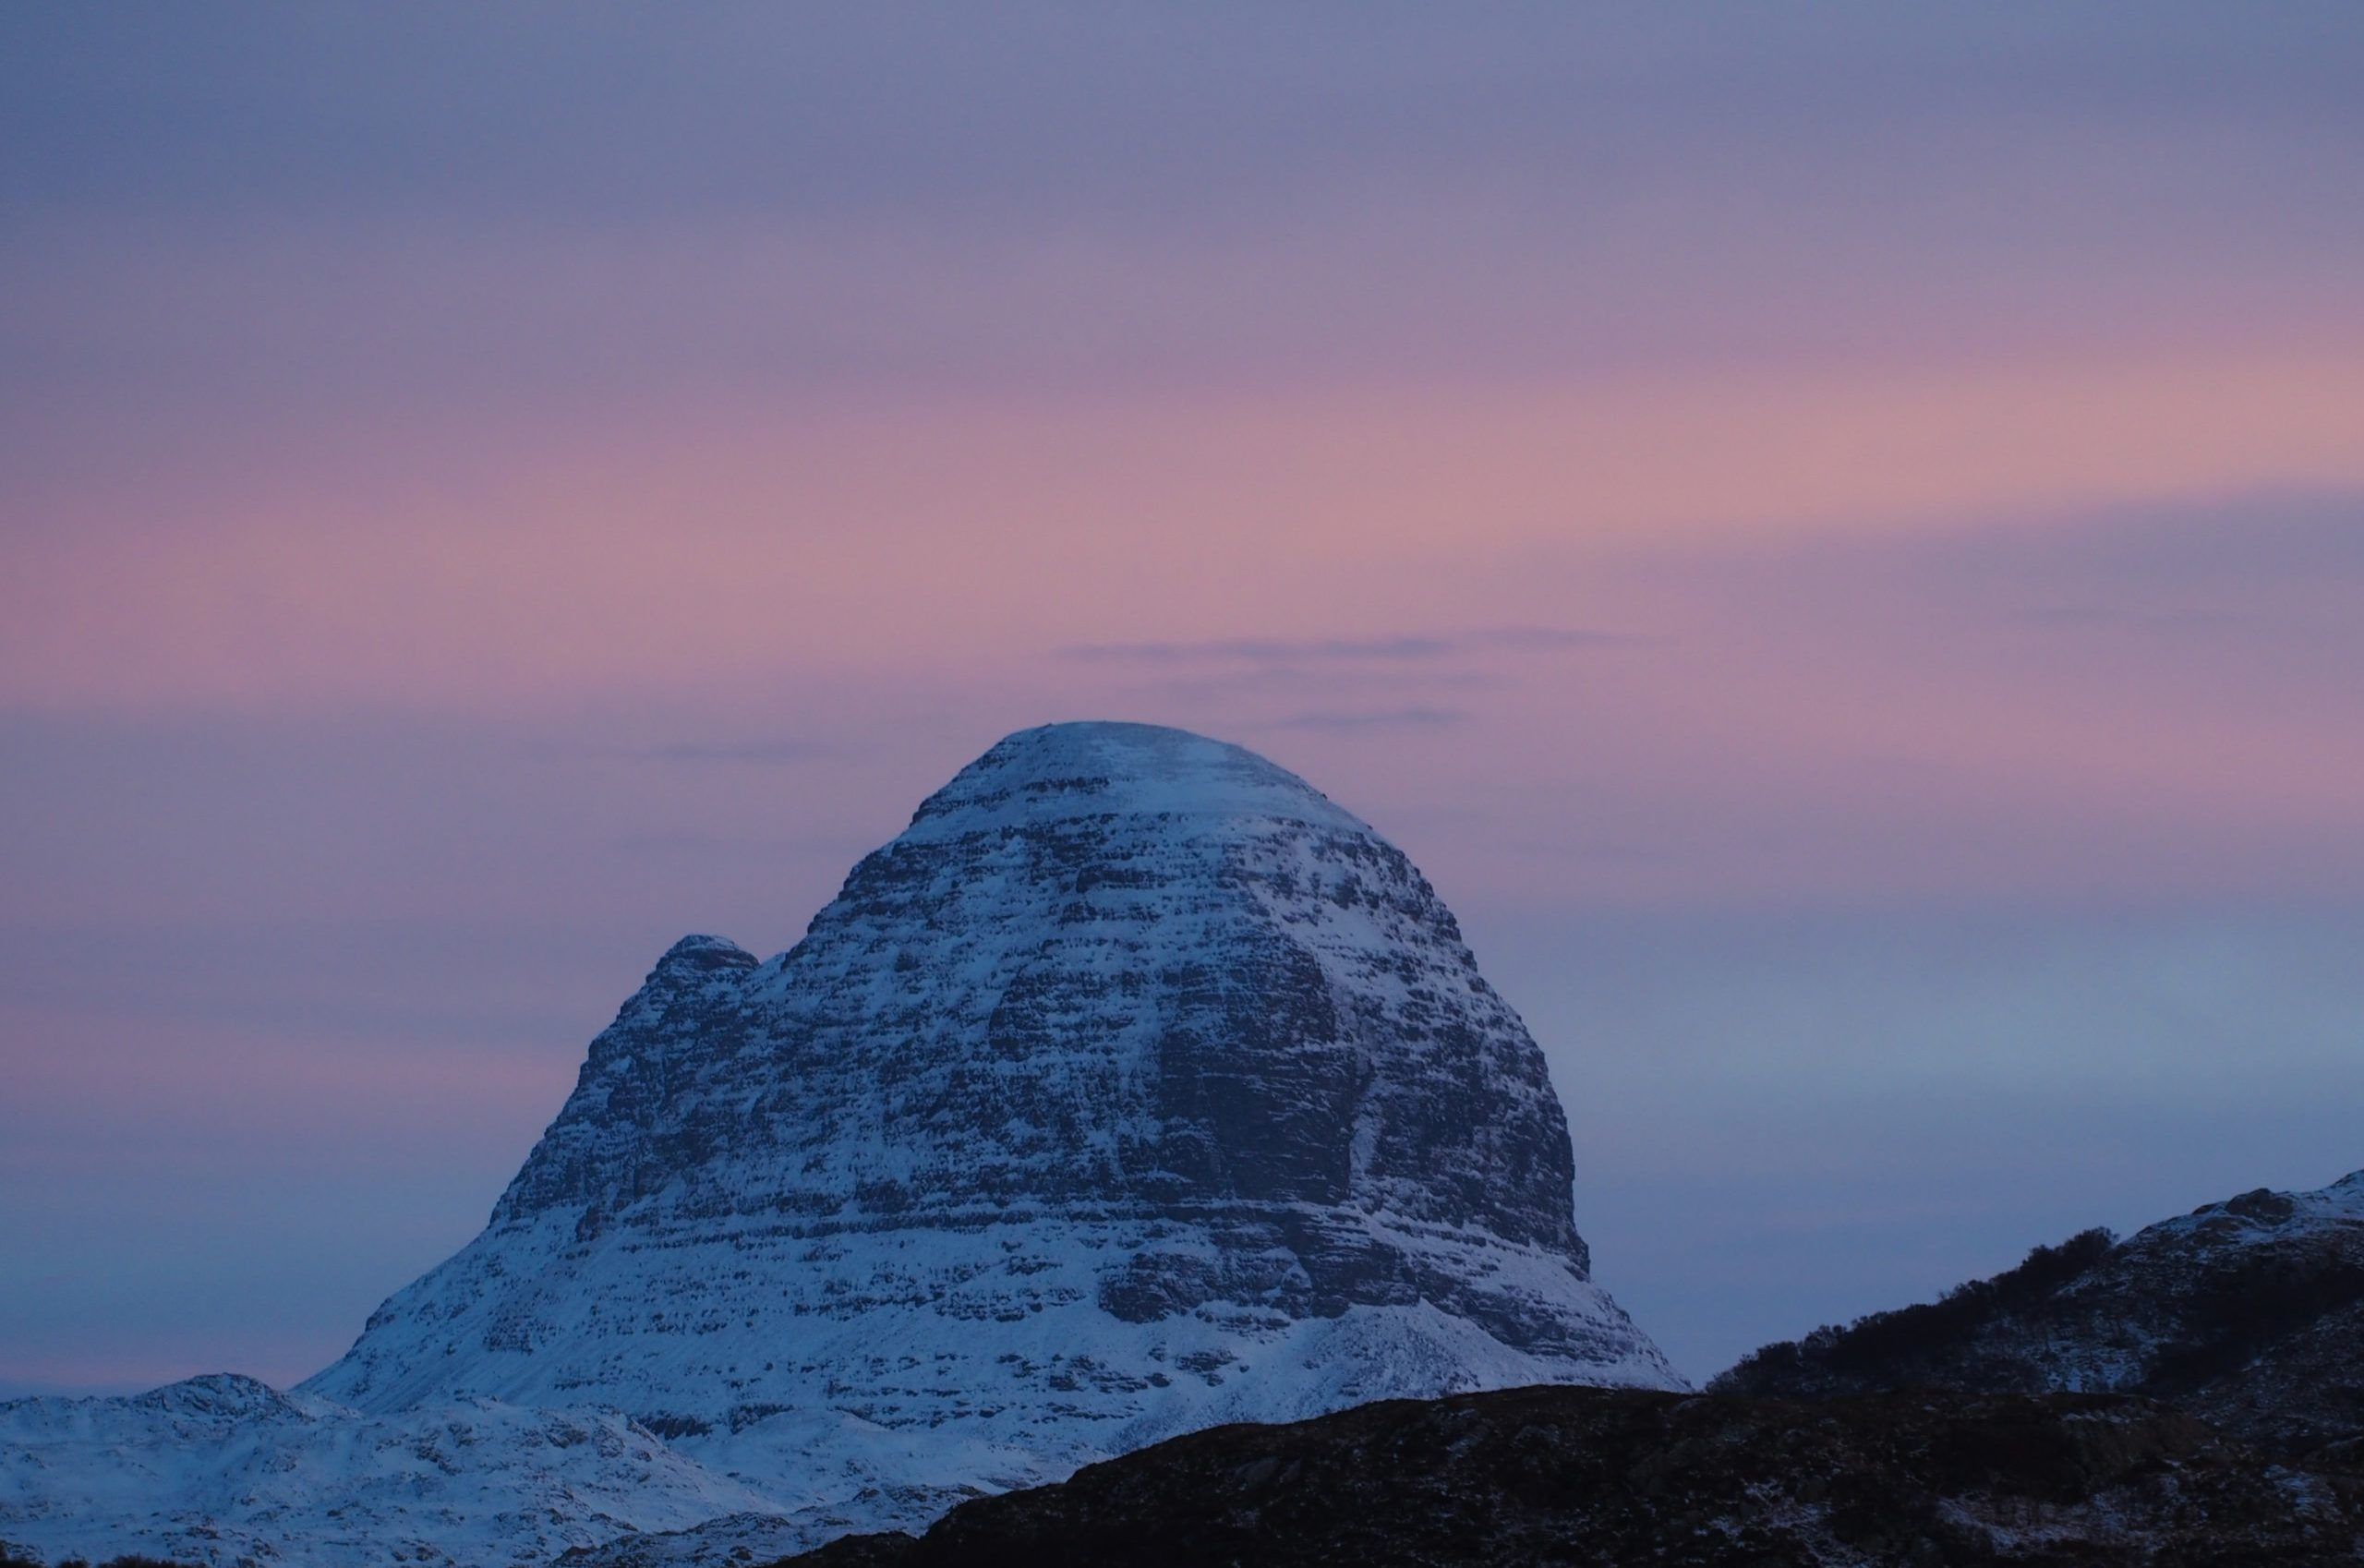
{"type": "Point", "coordinates": [2247, 1313]}
{"type": "Point", "coordinates": [1602, 1475]}
{"type": "Point", "coordinates": [224, 1469]}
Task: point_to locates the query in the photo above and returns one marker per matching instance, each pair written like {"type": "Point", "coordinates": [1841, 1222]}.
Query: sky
{"type": "Point", "coordinates": [1834, 534]}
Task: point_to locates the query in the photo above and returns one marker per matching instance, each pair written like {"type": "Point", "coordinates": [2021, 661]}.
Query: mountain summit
{"type": "Point", "coordinates": [1136, 1086]}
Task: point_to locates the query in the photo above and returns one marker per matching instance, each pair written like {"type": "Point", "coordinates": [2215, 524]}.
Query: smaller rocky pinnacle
{"type": "Point", "coordinates": [697, 960]}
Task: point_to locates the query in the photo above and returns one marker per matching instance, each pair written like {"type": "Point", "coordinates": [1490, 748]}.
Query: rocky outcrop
{"type": "Point", "coordinates": [2249, 1313]}
{"type": "Point", "coordinates": [1600, 1476]}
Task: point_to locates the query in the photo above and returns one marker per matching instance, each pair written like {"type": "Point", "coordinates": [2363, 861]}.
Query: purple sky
{"type": "Point", "coordinates": [1834, 536]}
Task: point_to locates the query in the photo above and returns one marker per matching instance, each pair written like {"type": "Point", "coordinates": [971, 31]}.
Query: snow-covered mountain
{"type": "Point", "coordinates": [1135, 1087]}
{"type": "Point", "coordinates": [2249, 1313]}
{"type": "Point", "coordinates": [224, 1469]}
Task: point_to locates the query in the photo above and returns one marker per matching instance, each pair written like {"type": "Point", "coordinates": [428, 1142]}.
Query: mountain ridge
{"type": "Point", "coordinates": [2248, 1312]}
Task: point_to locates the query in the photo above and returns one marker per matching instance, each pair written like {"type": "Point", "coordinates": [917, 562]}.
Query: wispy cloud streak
{"type": "Point", "coordinates": [759, 752]}
{"type": "Point", "coordinates": [1403, 648]}
{"type": "Point", "coordinates": [1354, 720]}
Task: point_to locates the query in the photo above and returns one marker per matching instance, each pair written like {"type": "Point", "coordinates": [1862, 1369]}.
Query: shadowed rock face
{"type": "Point", "coordinates": [1136, 1085]}
{"type": "Point", "coordinates": [1604, 1476]}
{"type": "Point", "coordinates": [622, 1136]}
{"type": "Point", "coordinates": [1108, 964]}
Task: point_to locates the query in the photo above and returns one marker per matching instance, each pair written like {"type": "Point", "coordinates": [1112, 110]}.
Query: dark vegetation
{"type": "Point", "coordinates": [1571, 1475]}
{"type": "Point", "coordinates": [2231, 1318]}
{"type": "Point", "coordinates": [2247, 1314]}
{"type": "Point", "coordinates": [1882, 1343]}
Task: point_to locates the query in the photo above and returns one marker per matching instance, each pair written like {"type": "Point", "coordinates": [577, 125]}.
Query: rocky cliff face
{"type": "Point", "coordinates": [2249, 1313]}
{"type": "Point", "coordinates": [1109, 965]}
{"type": "Point", "coordinates": [1135, 1087]}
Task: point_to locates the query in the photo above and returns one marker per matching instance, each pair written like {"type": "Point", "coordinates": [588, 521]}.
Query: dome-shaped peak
{"type": "Point", "coordinates": [1099, 767]}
